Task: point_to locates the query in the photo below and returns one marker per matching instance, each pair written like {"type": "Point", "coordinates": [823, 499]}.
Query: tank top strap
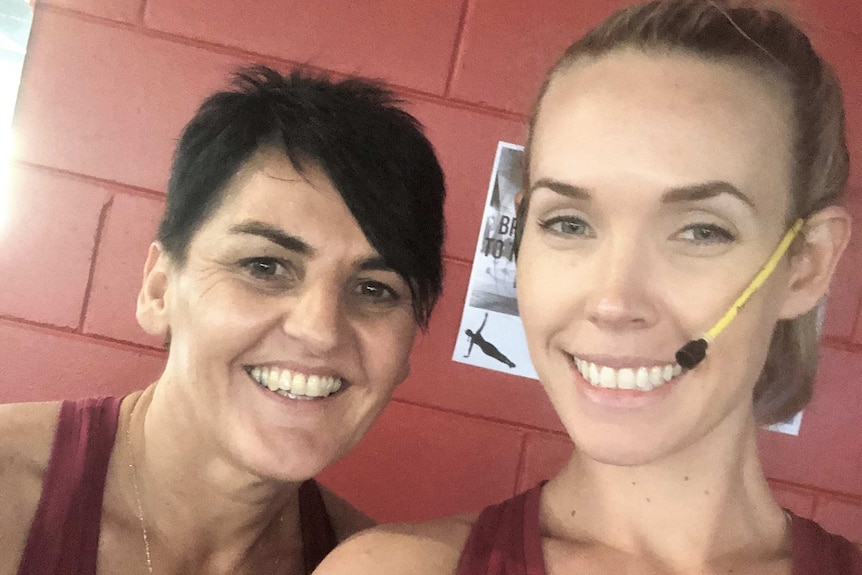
{"type": "Point", "coordinates": [64, 535]}
{"type": "Point", "coordinates": [506, 539]}
{"type": "Point", "coordinates": [318, 535]}
{"type": "Point", "coordinates": [817, 551]}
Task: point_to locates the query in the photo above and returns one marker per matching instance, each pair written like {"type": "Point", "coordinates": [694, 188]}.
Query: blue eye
{"type": "Point", "coordinates": [706, 234]}
{"type": "Point", "coordinates": [567, 226]}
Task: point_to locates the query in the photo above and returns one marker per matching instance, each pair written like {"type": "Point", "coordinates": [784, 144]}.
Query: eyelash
{"type": "Point", "coordinates": [557, 224]}
{"type": "Point", "coordinates": [377, 291]}
{"type": "Point", "coordinates": [723, 236]}
{"type": "Point", "coordinates": [390, 295]}
{"type": "Point", "coordinates": [254, 268]}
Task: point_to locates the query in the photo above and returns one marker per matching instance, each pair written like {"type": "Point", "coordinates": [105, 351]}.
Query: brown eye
{"type": "Point", "coordinates": [266, 269]}
{"type": "Point", "coordinates": [376, 292]}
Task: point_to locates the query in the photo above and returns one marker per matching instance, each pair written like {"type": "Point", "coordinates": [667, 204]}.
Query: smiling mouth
{"type": "Point", "coordinates": [642, 378]}
{"type": "Point", "coordinates": [294, 384]}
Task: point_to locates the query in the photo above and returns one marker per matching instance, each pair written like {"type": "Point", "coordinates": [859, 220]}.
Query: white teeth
{"type": "Point", "coordinates": [312, 386]}
{"type": "Point", "coordinates": [609, 379]}
{"type": "Point", "coordinates": [626, 379]}
{"type": "Point", "coordinates": [295, 385]}
{"type": "Point", "coordinates": [643, 379]}
{"type": "Point", "coordinates": [640, 378]}
{"type": "Point", "coordinates": [285, 379]}
{"type": "Point", "coordinates": [271, 379]}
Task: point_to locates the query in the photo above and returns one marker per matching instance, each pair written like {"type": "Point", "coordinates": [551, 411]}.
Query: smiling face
{"type": "Point", "coordinates": [659, 185]}
{"type": "Point", "coordinates": [288, 330]}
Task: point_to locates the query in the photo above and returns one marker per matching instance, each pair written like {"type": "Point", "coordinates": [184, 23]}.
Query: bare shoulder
{"type": "Point", "coordinates": [26, 437]}
{"type": "Point", "coordinates": [346, 519]}
{"type": "Point", "coordinates": [432, 547]}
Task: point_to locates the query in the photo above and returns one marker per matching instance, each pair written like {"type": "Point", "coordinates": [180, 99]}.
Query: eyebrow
{"type": "Point", "coordinates": [680, 194]}
{"type": "Point", "coordinates": [568, 190]}
{"type": "Point", "coordinates": [294, 244]}
{"type": "Point", "coordinates": [273, 234]}
{"type": "Point", "coordinates": [704, 192]}
{"type": "Point", "coordinates": [375, 263]}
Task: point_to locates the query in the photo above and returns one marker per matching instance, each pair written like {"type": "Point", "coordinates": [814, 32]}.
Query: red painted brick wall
{"type": "Point", "coordinates": [107, 86]}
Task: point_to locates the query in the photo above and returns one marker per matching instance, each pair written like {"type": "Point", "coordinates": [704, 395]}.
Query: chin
{"type": "Point", "coordinates": [292, 459]}
{"type": "Point", "coordinates": [624, 447]}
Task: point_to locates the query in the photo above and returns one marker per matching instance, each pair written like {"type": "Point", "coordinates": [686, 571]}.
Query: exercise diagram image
{"type": "Point", "coordinates": [490, 317]}
{"type": "Point", "coordinates": [487, 347]}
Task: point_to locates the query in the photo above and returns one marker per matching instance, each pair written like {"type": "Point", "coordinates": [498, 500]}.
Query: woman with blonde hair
{"type": "Point", "coordinates": [679, 225]}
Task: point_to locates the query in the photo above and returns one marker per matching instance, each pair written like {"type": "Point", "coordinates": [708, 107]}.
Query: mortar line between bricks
{"type": "Point", "coordinates": [513, 425]}
{"type": "Point", "coordinates": [94, 260]}
{"type": "Point", "coordinates": [277, 61]}
{"type": "Point", "coordinates": [69, 333]}
{"type": "Point", "coordinates": [458, 52]}
{"type": "Point", "coordinates": [142, 12]}
{"type": "Point", "coordinates": [92, 180]}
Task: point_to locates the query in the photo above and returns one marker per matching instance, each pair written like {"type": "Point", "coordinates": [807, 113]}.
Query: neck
{"type": "Point", "coordinates": [705, 504]}
{"type": "Point", "coordinates": [202, 511]}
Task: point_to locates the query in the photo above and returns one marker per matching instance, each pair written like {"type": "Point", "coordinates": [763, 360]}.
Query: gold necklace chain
{"type": "Point", "coordinates": [138, 495]}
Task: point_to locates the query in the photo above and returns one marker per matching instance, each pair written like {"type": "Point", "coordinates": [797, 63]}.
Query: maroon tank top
{"type": "Point", "coordinates": [506, 540]}
{"type": "Point", "coordinates": [64, 535]}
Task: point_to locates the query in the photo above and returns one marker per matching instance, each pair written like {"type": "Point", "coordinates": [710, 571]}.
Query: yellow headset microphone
{"type": "Point", "coordinates": [694, 351]}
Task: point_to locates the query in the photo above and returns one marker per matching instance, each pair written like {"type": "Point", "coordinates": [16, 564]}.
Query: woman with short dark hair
{"type": "Point", "coordinates": [299, 252]}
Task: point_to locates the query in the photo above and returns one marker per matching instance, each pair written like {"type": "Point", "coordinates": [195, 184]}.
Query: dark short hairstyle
{"type": "Point", "coordinates": [761, 38]}
{"type": "Point", "coordinates": [373, 152]}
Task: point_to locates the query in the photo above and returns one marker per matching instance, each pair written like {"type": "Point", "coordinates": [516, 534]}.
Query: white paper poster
{"type": "Point", "coordinates": [491, 335]}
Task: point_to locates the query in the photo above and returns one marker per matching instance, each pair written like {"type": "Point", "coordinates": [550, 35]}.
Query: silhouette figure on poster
{"type": "Point", "coordinates": [487, 347]}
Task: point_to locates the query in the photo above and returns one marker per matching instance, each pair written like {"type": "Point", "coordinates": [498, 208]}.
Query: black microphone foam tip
{"type": "Point", "coordinates": [692, 353]}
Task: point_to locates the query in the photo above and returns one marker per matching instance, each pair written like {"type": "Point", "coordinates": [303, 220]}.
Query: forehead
{"type": "Point", "coordinates": [667, 120]}
{"type": "Point", "coordinates": [269, 189]}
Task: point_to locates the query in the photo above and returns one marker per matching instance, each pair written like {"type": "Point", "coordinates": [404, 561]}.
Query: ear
{"type": "Point", "coordinates": [824, 237]}
{"type": "Point", "coordinates": [519, 197]}
{"type": "Point", "coordinates": [152, 300]}
{"type": "Point", "coordinates": [404, 373]}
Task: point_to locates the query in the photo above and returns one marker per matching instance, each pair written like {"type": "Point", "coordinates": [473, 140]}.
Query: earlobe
{"type": "Point", "coordinates": [405, 373]}
{"type": "Point", "coordinates": [824, 238]}
{"type": "Point", "coordinates": [152, 299]}
{"type": "Point", "coordinates": [519, 197]}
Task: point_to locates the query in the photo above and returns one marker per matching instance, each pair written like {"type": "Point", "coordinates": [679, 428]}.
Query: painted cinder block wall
{"type": "Point", "coordinates": [107, 86]}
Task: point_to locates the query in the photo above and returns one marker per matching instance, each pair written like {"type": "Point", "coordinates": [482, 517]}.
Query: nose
{"type": "Point", "coordinates": [619, 298]}
{"type": "Point", "coordinates": [314, 318]}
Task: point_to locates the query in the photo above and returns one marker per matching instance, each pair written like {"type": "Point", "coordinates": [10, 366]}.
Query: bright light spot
{"type": "Point", "coordinates": [15, 19]}
{"type": "Point", "coordinates": [6, 147]}
{"type": "Point", "coordinates": [10, 73]}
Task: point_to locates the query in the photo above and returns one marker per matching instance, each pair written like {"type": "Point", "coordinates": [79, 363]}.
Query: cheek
{"type": "Point", "coordinates": [222, 320]}
{"type": "Point", "coordinates": [384, 349]}
{"type": "Point", "coordinates": [548, 291]}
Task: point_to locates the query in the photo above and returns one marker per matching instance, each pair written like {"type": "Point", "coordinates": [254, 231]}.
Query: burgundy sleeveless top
{"type": "Point", "coordinates": [506, 540]}
{"type": "Point", "coordinates": [64, 536]}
